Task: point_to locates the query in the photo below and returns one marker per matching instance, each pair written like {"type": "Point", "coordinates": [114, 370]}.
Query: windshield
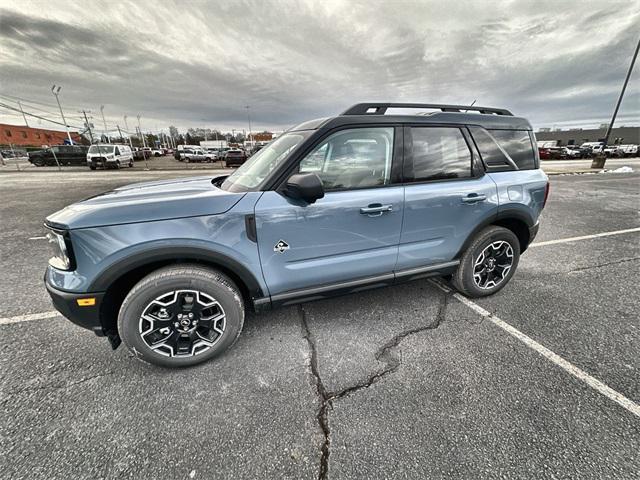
{"type": "Point", "coordinates": [251, 174]}
{"type": "Point", "coordinates": [101, 149]}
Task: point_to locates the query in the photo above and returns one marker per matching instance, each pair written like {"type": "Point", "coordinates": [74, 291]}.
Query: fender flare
{"type": "Point", "coordinates": [168, 253]}
{"type": "Point", "coordinates": [507, 213]}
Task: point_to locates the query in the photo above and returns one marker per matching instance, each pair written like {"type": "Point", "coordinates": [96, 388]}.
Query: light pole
{"type": "Point", "coordinates": [56, 93]}
{"type": "Point", "coordinates": [599, 160]}
{"type": "Point", "coordinates": [128, 132]}
{"type": "Point", "coordinates": [104, 122]}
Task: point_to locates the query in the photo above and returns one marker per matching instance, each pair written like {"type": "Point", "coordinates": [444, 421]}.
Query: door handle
{"type": "Point", "coordinates": [375, 209]}
{"type": "Point", "coordinates": [474, 198]}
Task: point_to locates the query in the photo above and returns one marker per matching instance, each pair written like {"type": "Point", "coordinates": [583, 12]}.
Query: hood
{"type": "Point", "coordinates": [147, 202]}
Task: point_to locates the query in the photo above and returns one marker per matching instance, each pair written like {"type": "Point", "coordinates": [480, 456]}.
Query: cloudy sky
{"type": "Point", "coordinates": [192, 63]}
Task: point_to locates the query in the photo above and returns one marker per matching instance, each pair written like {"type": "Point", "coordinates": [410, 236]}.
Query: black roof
{"type": "Point", "coordinates": [375, 113]}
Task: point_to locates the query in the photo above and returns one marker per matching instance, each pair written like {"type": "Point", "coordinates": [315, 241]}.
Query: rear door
{"type": "Point", "coordinates": [447, 195]}
{"type": "Point", "coordinates": [352, 233]}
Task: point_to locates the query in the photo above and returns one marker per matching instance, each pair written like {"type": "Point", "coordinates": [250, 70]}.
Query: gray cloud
{"type": "Point", "coordinates": [189, 63]}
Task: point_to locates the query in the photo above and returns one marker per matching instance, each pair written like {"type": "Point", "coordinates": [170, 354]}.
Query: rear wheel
{"type": "Point", "coordinates": [92, 167]}
{"type": "Point", "coordinates": [489, 262]}
{"type": "Point", "coordinates": [180, 316]}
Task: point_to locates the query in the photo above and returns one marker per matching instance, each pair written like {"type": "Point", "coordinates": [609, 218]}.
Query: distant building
{"type": "Point", "coordinates": [619, 136]}
{"type": "Point", "coordinates": [261, 136]}
{"type": "Point", "coordinates": [33, 137]}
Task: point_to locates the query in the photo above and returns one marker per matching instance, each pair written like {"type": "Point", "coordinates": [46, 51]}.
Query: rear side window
{"type": "Point", "coordinates": [437, 153]}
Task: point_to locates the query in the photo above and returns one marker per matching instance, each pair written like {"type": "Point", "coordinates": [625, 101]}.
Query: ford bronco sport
{"type": "Point", "coordinates": [364, 199]}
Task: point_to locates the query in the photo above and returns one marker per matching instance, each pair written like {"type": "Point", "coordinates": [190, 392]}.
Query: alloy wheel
{"type": "Point", "coordinates": [493, 264]}
{"type": "Point", "coordinates": [182, 323]}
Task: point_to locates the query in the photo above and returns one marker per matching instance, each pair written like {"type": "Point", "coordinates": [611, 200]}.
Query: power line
{"type": "Point", "coordinates": [9, 107]}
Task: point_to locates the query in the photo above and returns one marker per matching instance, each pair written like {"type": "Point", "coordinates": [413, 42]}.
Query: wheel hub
{"type": "Point", "coordinates": [493, 264]}
{"type": "Point", "coordinates": [182, 323]}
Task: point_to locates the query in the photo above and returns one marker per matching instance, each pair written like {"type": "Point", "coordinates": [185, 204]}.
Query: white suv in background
{"type": "Point", "coordinates": [109, 156]}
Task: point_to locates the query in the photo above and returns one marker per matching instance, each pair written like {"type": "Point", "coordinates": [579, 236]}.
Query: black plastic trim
{"type": "Point", "coordinates": [250, 226]}
{"type": "Point", "coordinates": [85, 317]}
{"type": "Point", "coordinates": [160, 254]}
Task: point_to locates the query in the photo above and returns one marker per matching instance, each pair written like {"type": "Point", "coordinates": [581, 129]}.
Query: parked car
{"type": "Point", "coordinates": [331, 206]}
{"type": "Point", "coordinates": [66, 155]}
{"type": "Point", "coordinates": [197, 155]}
{"type": "Point", "coordinates": [629, 150]}
{"type": "Point", "coordinates": [157, 152]}
{"type": "Point", "coordinates": [140, 154]}
{"type": "Point", "coordinates": [235, 157]}
{"type": "Point", "coordinates": [109, 156]}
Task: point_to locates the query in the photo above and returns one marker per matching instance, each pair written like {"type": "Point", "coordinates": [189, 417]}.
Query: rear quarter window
{"type": "Point", "coordinates": [494, 145]}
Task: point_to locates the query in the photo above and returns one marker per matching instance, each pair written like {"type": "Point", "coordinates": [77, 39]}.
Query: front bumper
{"type": "Point", "coordinates": [67, 304]}
{"type": "Point", "coordinates": [533, 231]}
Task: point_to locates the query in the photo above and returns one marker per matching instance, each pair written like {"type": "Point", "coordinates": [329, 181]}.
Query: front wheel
{"type": "Point", "coordinates": [489, 262]}
{"type": "Point", "coordinates": [180, 316]}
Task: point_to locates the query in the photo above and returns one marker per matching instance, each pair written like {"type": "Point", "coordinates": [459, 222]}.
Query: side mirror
{"type": "Point", "coordinates": [304, 186]}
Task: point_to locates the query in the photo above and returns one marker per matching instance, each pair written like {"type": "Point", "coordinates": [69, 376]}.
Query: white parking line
{"type": "Point", "coordinates": [548, 354]}
{"type": "Point", "coordinates": [37, 238]}
{"type": "Point", "coordinates": [28, 318]}
{"type": "Point", "coordinates": [584, 237]}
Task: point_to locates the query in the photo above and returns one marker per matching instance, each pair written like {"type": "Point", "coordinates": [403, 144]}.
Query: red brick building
{"type": "Point", "coordinates": [33, 137]}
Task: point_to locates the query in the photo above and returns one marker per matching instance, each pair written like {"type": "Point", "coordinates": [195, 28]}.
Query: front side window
{"type": "Point", "coordinates": [355, 158]}
{"type": "Point", "coordinates": [254, 171]}
{"type": "Point", "coordinates": [437, 153]}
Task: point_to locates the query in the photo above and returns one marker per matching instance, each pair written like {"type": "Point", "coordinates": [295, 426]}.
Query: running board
{"type": "Point", "coordinates": [342, 288]}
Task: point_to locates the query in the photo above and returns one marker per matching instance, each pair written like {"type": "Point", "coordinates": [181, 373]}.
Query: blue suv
{"type": "Point", "coordinates": [371, 197]}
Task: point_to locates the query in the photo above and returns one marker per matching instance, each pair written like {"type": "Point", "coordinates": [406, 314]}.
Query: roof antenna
{"type": "Point", "coordinates": [472, 104]}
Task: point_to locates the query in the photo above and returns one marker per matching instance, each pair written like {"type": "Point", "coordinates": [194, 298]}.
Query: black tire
{"type": "Point", "coordinates": [170, 279]}
{"type": "Point", "coordinates": [465, 280]}
{"type": "Point", "coordinates": [92, 167]}
{"type": "Point", "coordinates": [186, 160]}
{"type": "Point", "coordinates": [130, 163]}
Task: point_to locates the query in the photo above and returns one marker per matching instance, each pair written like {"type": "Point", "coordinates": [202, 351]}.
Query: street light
{"type": "Point", "coordinates": [600, 159]}
{"type": "Point", "coordinates": [56, 93]}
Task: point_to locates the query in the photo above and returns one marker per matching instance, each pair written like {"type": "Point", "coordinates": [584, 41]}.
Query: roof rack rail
{"type": "Point", "coordinates": [381, 108]}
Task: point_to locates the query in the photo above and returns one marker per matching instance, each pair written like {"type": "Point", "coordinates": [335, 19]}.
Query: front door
{"type": "Point", "coordinates": [352, 233]}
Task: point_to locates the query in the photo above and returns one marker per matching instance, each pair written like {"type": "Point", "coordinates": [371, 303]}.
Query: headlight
{"type": "Point", "coordinates": [58, 244]}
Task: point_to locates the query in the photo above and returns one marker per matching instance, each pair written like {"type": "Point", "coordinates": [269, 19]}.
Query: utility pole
{"type": "Point", "coordinates": [600, 159]}
{"type": "Point", "coordinates": [104, 122]}
{"type": "Point", "coordinates": [128, 132]}
{"type": "Point", "coordinates": [144, 145]}
{"type": "Point", "coordinates": [249, 118]}
{"type": "Point", "coordinates": [86, 122]}
{"type": "Point", "coordinates": [56, 93]}
{"type": "Point", "coordinates": [119, 132]}
{"type": "Point", "coordinates": [23, 115]}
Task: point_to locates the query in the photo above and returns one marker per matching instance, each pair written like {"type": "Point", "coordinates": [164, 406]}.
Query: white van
{"type": "Point", "coordinates": [109, 156]}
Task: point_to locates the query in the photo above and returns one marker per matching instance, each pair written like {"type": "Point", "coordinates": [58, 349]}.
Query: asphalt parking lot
{"type": "Point", "coordinates": [404, 382]}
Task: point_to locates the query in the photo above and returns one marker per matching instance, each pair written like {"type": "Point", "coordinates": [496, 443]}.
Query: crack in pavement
{"type": "Point", "coordinates": [590, 267]}
{"type": "Point", "coordinates": [383, 354]}
{"type": "Point", "coordinates": [59, 387]}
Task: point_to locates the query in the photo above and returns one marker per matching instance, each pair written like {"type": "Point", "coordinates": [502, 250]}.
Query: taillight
{"type": "Point", "coordinates": [546, 193]}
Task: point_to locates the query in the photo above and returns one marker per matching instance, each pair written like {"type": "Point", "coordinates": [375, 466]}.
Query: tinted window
{"type": "Point", "coordinates": [437, 154]}
{"type": "Point", "coordinates": [518, 146]}
{"type": "Point", "coordinates": [489, 150]}
{"type": "Point", "coordinates": [355, 158]}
